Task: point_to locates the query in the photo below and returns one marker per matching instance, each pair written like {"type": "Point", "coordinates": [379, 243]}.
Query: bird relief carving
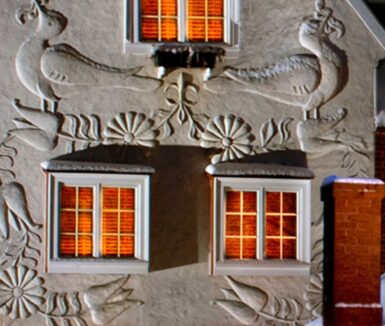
{"type": "Point", "coordinates": [52, 71]}
{"type": "Point", "coordinates": [306, 80]}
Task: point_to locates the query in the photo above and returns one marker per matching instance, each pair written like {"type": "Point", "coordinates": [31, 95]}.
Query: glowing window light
{"type": "Point", "coordinates": [280, 225]}
{"type": "Point", "coordinates": [182, 20]}
{"type": "Point", "coordinates": [118, 222]}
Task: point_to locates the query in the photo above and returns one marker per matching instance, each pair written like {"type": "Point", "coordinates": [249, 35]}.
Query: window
{"type": "Point", "coordinates": [98, 223]}
{"type": "Point", "coordinates": [261, 225]}
{"type": "Point", "coordinates": [182, 21]}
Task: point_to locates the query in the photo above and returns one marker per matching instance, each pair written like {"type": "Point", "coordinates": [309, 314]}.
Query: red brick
{"type": "Point", "coordinates": [354, 271]}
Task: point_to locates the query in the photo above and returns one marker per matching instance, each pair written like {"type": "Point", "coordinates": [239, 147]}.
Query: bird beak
{"type": "Point", "coordinates": [38, 5]}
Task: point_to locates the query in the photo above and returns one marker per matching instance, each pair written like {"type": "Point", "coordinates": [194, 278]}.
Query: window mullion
{"type": "Point", "coordinates": [260, 223]}
{"type": "Point", "coordinates": [182, 20]}
{"type": "Point", "coordinates": [97, 220]}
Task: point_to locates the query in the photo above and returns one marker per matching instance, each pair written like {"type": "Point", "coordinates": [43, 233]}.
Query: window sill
{"type": "Point", "coordinates": [262, 268]}
{"type": "Point", "coordinates": [98, 266]}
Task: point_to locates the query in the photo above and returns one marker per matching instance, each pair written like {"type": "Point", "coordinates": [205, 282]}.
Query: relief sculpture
{"type": "Point", "coordinates": [51, 71]}
{"type": "Point", "coordinates": [304, 80]}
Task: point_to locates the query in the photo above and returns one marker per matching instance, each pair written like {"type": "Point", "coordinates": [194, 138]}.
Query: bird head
{"type": "Point", "coordinates": [51, 23]}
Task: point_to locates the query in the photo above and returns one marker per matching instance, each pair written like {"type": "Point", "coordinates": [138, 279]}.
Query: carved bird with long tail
{"type": "Point", "coordinates": [304, 80]}
{"type": "Point", "coordinates": [43, 68]}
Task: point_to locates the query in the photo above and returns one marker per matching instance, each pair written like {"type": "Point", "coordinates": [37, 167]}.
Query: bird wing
{"type": "Point", "coordinates": [298, 76]}
{"type": "Point", "coordinates": [63, 64]}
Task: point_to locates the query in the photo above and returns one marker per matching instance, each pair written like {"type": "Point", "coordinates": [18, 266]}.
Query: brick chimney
{"type": "Point", "coordinates": [352, 251]}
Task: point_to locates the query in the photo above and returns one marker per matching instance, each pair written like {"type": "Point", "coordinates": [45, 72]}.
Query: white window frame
{"type": "Point", "coordinates": [94, 265]}
{"type": "Point", "coordinates": [133, 45]}
{"type": "Point", "coordinates": [260, 266]}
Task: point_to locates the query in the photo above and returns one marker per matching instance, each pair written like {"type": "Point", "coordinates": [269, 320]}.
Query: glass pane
{"type": "Point", "coordinates": [289, 249]}
{"type": "Point", "coordinates": [249, 225]}
{"type": "Point", "coordinates": [273, 225]}
{"type": "Point", "coordinates": [110, 222]}
{"type": "Point", "coordinates": [233, 201]}
{"type": "Point", "coordinates": [169, 29]}
{"type": "Point", "coordinates": [109, 245]}
{"type": "Point", "coordinates": [215, 30]}
{"type": "Point", "coordinates": [169, 7]}
{"type": "Point", "coordinates": [233, 248]}
{"type": "Point", "coordinates": [289, 202]}
{"type": "Point", "coordinates": [196, 30]}
{"type": "Point", "coordinates": [249, 249]}
{"type": "Point", "coordinates": [249, 202]}
{"type": "Point", "coordinates": [127, 246]}
{"type": "Point", "coordinates": [67, 197]}
{"type": "Point", "coordinates": [85, 198]}
{"type": "Point", "coordinates": [85, 246]}
{"type": "Point", "coordinates": [149, 7]}
{"type": "Point", "coordinates": [68, 222]}
{"type": "Point", "coordinates": [233, 224]}
{"type": "Point", "coordinates": [127, 198]}
{"type": "Point", "coordinates": [110, 198]}
{"type": "Point", "coordinates": [127, 222]}
{"type": "Point", "coordinates": [273, 202]}
{"type": "Point", "coordinates": [290, 226]}
{"type": "Point", "coordinates": [196, 7]}
{"type": "Point", "coordinates": [85, 222]}
{"type": "Point", "coordinates": [215, 8]}
{"type": "Point", "coordinates": [272, 248]}
{"type": "Point", "coordinates": [149, 29]}
{"type": "Point", "coordinates": [67, 245]}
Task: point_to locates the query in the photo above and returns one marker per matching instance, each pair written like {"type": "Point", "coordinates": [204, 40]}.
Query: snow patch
{"type": "Point", "coordinates": [74, 166]}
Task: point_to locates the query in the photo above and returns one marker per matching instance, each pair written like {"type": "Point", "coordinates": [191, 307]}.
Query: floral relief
{"type": "Point", "coordinates": [130, 128]}
{"type": "Point", "coordinates": [21, 292]}
{"type": "Point", "coordinates": [313, 294]}
{"type": "Point", "coordinates": [231, 134]}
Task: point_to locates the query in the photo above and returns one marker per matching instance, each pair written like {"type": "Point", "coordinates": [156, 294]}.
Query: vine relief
{"type": "Point", "coordinates": [304, 80]}
{"type": "Point", "coordinates": [43, 68]}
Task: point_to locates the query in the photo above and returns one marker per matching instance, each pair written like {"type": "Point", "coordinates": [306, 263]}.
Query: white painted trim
{"type": "Point", "coordinates": [132, 33]}
{"type": "Point", "coordinates": [259, 266]}
{"type": "Point", "coordinates": [141, 184]}
{"type": "Point", "coordinates": [369, 20]}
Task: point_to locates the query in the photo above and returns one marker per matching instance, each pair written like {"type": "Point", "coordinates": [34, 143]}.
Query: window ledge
{"type": "Point", "coordinates": [263, 268]}
{"type": "Point", "coordinates": [98, 266]}
{"type": "Point", "coordinates": [258, 170]}
{"type": "Point", "coordinates": [75, 166]}
{"type": "Point", "coordinates": [187, 55]}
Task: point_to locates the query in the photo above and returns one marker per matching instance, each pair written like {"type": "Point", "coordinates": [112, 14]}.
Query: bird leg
{"type": "Point", "coordinates": [54, 106]}
{"type": "Point", "coordinates": [44, 104]}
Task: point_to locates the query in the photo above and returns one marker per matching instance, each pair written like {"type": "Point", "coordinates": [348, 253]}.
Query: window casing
{"type": "Point", "coordinates": [261, 226]}
{"type": "Point", "coordinates": [98, 223]}
{"type": "Point", "coordinates": [153, 22]}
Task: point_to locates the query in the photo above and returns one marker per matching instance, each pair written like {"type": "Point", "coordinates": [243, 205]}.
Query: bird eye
{"type": "Point", "coordinates": [50, 24]}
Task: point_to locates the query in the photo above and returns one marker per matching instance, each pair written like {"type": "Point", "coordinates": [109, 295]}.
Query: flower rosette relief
{"type": "Point", "coordinates": [229, 133]}
{"type": "Point", "coordinates": [21, 292]}
{"type": "Point", "coordinates": [130, 128]}
{"type": "Point", "coordinates": [313, 295]}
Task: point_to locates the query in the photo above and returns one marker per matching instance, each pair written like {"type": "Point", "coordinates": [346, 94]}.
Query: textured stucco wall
{"type": "Point", "coordinates": [179, 290]}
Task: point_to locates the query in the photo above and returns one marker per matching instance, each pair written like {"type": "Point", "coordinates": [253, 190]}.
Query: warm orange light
{"type": "Point", "coordinates": [241, 231]}
{"type": "Point", "coordinates": [205, 20]}
{"type": "Point", "coordinates": [76, 207]}
{"type": "Point", "coordinates": [159, 20]}
{"type": "Point", "coordinates": [281, 225]}
{"type": "Point", "coordinates": [118, 222]}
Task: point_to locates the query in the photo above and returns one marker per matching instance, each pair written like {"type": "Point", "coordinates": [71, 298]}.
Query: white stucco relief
{"type": "Point", "coordinates": [43, 67]}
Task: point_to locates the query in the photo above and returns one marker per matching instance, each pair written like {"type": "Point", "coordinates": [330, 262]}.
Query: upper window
{"type": "Point", "coordinates": [186, 21]}
{"type": "Point", "coordinates": [260, 225]}
{"type": "Point", "coordinates": [98, 223]}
